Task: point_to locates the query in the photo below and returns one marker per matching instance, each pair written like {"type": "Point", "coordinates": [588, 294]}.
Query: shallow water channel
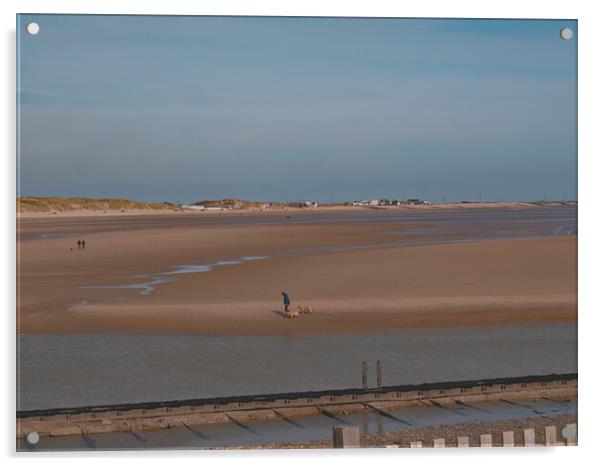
{"type": "Point", "coordinates": [58, 371]}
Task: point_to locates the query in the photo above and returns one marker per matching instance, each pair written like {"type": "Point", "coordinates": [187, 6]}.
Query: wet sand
{"type": "Point", "coordinates": [359, 275]}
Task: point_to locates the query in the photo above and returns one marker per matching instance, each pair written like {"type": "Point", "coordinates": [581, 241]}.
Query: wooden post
{"type": "Point", "coordinates": [416, 444]}
{"type": "Point", "coordinates": [364, 421]}
{"type": "Point", "coordinates": [463, 442]}
{"type": "Point", "coordinates": [508, 438]}
{"type": "Point", "coordinates": [529, 437]}
{"type": "Point", "coordinates": [379, 374]}
{"type": "Point", "coordinates": [570, 434]}
{"type": "Point", "coordinates": [439, 443]}
{"type": "Point", "coordinates": [364, 375]}
{"type": "Point", "coordinates": [551, 436]}
{"type": "Point", "coordinates": [346, 436]}
{"type": "Point", "coordinates": [486, 440]}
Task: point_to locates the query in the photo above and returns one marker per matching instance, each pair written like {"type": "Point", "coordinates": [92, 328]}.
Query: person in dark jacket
{"type": "Point", "coordinates": [287, 301]}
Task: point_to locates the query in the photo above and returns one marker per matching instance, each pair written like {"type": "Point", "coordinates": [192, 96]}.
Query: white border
{"type": "Point", "coordinates": [590, 79]}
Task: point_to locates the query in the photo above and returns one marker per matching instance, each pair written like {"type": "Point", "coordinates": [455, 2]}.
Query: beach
{"type": "Point", "coordinates": [248, 232]}
{"type": "Point", "coordinates": [360, 271]}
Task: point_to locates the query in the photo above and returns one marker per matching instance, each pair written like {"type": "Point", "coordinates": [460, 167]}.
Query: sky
{"type": "Point", "coordinates": [181, 109]}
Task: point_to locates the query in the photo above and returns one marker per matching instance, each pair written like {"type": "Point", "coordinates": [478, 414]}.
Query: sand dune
{"type": "Point", "coordinates": [41, 207]}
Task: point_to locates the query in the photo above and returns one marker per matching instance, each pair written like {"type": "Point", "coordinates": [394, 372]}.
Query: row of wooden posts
{"type": "Point", "coordinates": [349, 437]}
{"type": "Point", "coordinates": [379, 374]}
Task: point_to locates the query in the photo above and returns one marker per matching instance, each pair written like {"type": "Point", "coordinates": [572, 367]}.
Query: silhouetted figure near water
{"type": "Point", "coordinates": [83, 244]}
{"type": "Point", "coordinates": [287, 301]}
{"type": "Point", "coordinates": [79, 244]}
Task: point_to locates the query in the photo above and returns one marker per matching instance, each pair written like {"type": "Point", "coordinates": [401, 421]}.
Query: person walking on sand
{"type": "Point", "coordinates": [83, 244]}
{"type": "Point", "coordinates": [79, 244]}
{"type": "Point", "coordinates": [287, 302]}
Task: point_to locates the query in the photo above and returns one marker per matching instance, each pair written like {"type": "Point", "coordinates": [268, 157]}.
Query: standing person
{"type": "Point", "coordinates": [287, 301]}
{"type": "Point", "coordinates": [83, 244]}
{"type": "Point", "coordinates": [79, 244]}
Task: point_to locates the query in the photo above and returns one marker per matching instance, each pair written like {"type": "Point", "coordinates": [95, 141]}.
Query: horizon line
{"type": "Point", "coordinates": [361, 199]}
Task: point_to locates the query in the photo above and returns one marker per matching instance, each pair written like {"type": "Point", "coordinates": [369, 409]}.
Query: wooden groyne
{"type": "Point", "coordinates": [133, 417]}
{"type": "Point", "coordinates": [349, 437]}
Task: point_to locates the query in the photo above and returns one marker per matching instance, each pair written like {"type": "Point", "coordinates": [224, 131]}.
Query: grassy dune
{"type": "Point", "coordinates": [62, 204]}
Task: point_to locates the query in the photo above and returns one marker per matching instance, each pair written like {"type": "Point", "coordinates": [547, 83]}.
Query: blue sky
{"type": "Point", "coordinates": [187, 108]}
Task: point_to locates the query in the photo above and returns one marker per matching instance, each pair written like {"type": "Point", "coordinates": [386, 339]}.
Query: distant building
{"type": "Point", "coordinates": [303, 204]}
{"type": "Point", "coordinates": [193, 207]}
{"type": "Point", "coordinates": [366, 203]}
{"type": "Point", "coordinates": [203, 207]}
{"type": "Point", "coordinates": [417, 202]}
{"type": "Point", "coordinates": [388, 202]}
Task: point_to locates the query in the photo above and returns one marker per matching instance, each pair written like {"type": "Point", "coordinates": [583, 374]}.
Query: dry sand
{"type": "Point", "coordinates": [492, 282]}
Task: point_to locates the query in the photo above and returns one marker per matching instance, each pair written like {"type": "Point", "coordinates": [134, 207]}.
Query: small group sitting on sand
{"type": "Point", "coordinates": [294, 313]}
